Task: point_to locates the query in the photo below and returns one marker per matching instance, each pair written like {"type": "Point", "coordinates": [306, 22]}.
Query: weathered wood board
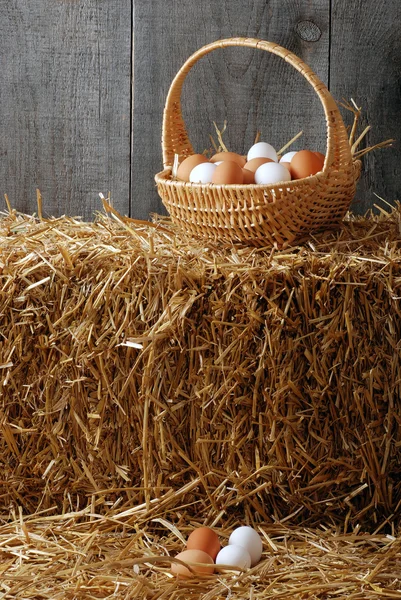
{"type": "Point", "coordinates": [65, 103]}
{"type": "Point", "coordinates": [73, 125]}
{"type": "Point", "coordinates": [365, 63]}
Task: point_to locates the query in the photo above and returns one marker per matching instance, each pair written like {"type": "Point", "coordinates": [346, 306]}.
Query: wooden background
{"type": "Point", "coordinates": [83, 85]}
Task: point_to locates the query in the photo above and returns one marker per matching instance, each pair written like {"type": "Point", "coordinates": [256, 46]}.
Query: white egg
{"type": "Point", "coordinates": [234, 556]}
{"type": "Point", "coordinates": [271, 173]}
{"type": "Point", "coordinates": [247, 538]}
{"type": "Point", "coordinates": [202, 173]}
{"type": "Point", "coordinates": [262, 150]}
{"type": "Point", "coordinates": [218, 163]}
{"type": "Point", "coordinates": [287, 157]}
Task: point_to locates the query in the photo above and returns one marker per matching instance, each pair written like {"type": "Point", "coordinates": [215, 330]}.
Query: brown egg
{"type": "Point", "coordinates": [249, 177]}
{"type": "Point", "coordinates": [320, 155]}
{"type": "Point", "coordinates": [228, 172]}
{"type": "Point", "coordinates": [233, 156]}
{"type": "Point", "coordinates": [255, 163]}
{"type": "Point", "coordinates": [287, 165]}
{"type": "Point", "coordinates": [188, 164]}
{"type": "Point", "coordinates": [204, 538]}
{"type": "Point", "coordinates": [305, 163]}
{"type": "Point", "coordinates": [193, 556]}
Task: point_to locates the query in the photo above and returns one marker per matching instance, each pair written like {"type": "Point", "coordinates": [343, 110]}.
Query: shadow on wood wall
{"type": "Point", "coordinates": [73, 125]}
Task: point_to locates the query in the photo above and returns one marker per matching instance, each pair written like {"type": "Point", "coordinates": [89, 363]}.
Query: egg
{"type": "Point", "coordinates": [188, 164]}
{"type": "Point", "coordinates": [270, 173]}
{"type": "Point", "coordinates": [233, 156]}
{"type": "Point", "coordinates": [287, 165]}
{"type": "Point", "coordinates": [287, 157]}
{"type": "Point", "coordinates": [228, 172]}
{"type": "Point", "coordinates": [234, 556]}
{"type": "Point", "coordinates": [254, 163]}
{"type": "Point", "coordinates": [262, 149]}
{"type": "Point", "coordinates": [193, 556]}
{"type": "Point", "coordinates": [202, 173]}
{"type": "Point", "coordinates": [205, 539]}
{"type": "Point", "coordinates": [247, 538]}
{"type": "Point", "coordinates": [305, 163]}
{"type": "Point", "coordinates": [249, 176]}
{"type": "Point", "coordinates": [321, 156]}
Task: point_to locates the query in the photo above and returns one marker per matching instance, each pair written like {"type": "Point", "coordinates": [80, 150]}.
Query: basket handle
{"type": "Point", "coordinates": [175, 137]}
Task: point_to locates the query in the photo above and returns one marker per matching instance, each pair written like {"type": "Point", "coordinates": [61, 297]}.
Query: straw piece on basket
{"type": "Point", "coordinates": [288, 144]}
{"type": "Point", "coordinates": [219, 133]}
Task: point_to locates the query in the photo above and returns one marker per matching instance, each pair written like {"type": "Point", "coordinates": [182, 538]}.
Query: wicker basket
{"type": "Point", "coordinates": [258, 215]}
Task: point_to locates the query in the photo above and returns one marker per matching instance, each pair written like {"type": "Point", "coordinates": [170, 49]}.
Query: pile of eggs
{"type": "Point", "coordinates": [244, 550]}
{"type": "Point", "coordinates": [260, 166]}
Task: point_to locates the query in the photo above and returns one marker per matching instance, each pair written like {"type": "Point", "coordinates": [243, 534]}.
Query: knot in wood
{"type": "Point", "coordinates": [308, 31]}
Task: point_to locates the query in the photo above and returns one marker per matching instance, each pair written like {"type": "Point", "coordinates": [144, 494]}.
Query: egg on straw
{"type": "Point", "coordinates": [234, 556]}
{"type": "Point", "coordinates": [246, 537]}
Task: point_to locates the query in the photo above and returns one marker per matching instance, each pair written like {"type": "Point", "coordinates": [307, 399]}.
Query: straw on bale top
{"type": "Point", "coordinates": [142, 370]}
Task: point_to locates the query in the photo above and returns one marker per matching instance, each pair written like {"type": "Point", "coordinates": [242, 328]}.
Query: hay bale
{"type": "Point", "coordinates": [140, 368]}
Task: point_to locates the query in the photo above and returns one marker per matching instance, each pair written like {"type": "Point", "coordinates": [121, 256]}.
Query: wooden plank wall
{"type": "Point", "coordinates": [65, 100]}
{"type": "Point", "coordinates": [73, 125]}
{"type": "Point", "coordinates": [365, 61]}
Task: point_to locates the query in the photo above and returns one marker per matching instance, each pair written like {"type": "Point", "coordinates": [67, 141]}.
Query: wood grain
{"type": "Point", "coordinates": [251, 89]}
{"type": "Point", "coordinates": [65, 103]}
{"type": "Point", "coordinates": [365, 63]}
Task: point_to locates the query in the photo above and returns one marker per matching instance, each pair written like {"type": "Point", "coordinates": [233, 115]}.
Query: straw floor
{"type": "Point", "coordinates": [81, 556]}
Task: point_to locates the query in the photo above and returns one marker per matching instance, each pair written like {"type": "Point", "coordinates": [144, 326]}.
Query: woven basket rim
{"type": "Point", "coordinates": [294, 183]}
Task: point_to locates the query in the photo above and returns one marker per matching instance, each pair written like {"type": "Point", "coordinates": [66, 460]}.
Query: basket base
{"type": "Point", "coordinates": [256, 215]}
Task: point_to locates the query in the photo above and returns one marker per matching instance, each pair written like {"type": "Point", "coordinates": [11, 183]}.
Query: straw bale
{"type": "Point", "coordinates": [145, 371]}
{"type": "Point", "coordinates": [82, 555]}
